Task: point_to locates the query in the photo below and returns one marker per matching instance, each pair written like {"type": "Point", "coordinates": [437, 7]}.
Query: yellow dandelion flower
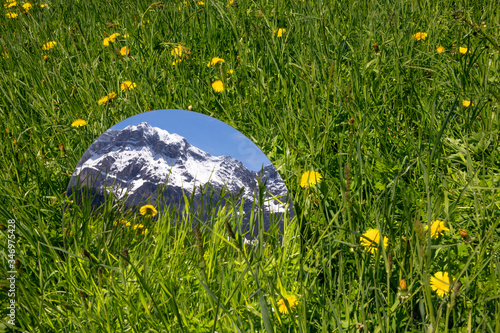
{"type": "Point", "coordinates": [176, 62]}
{"type": "Point", "coordinates": [127, 85]}
{"type": "Point", "coordinates": [126, 36]}
{"type": "Point", "coordinates": [177, 51]}
{"type": "Point", "coordinates": [310, 178]}
{"type": "Point", "coordinates": [440, 49]}
{"type": "Point", "coordinates": [124, 51]}
{"type": "Point", "coordinates": [279, 32]}
{"type": "Point", "coordinates": [106, 98]}
{"type": "Point", "coordinates": [79, 123]}
{"type": "Point", "coordinates": [43, 5]}
{"type": "Point", "coordinates": [373, 240]}
{"type": "Point", "coordinates": [420, 35]}
{"type": "Point", "coordinates": [10, 1]}
{"type": "Point", "coordinates": [215, 61]}
{"type": "Point", "coordinates": [292, 304]}
{"type": "Point", "coordinates": [463, 50]}
{"type": "Point", "coordinates": [139, 229]}
{"type": "Point", "coordinates": [229, 72]}
{"type": "Point", "coordinates": [49, 45]}
{"type": "Point", "coordinates": [467, 103]}
{"type": "Point", "coordinates": [114, 36]}
{"type": "Point", "coordinates": [45, 57]}
{"type": "Point", "coordinates": [27, 6]}
{"type": "Point", "coordinates": [440, 283]}
{"type": "Point", "coordinates": [218, 86]}
{"type": "Point", "coordinates": [437, 228]}
{"type": "Point", "coordinates": [11, 4]}
{"type": "Point", "coordinates": [148, 211]}
{"type": "Point", "coordinates": [106, 41]}
{"type": "Point", "coordinates": [11, 15]}
{"type": "Point", "coordinates": [201, 3]}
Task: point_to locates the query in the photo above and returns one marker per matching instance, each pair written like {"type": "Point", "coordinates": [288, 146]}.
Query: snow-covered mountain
{"type": "Point", "coordinates": [144, 164]}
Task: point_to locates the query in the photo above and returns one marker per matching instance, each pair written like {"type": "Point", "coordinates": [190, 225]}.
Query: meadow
{"type": "Point", "coordinates": [393, 103]}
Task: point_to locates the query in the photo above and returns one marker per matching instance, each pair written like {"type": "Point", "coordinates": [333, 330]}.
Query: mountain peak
{"type": "Point", "coordinates": [139, 160]}
{"type": "Point", "coordinates": [147, 131]}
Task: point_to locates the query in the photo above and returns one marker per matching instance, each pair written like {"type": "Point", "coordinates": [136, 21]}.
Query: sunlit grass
{"type": "Point", "coordinates": [402, 133]}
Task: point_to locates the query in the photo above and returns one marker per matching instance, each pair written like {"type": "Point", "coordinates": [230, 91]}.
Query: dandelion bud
{"type": "Point", "coordinates": [402, 284]}
{"type": "Point", "coordinates": [7, 131]}
{"type": "Point", "coordinates": [61, 147]}
{"type": "Point", "coordinates": [465, 235]}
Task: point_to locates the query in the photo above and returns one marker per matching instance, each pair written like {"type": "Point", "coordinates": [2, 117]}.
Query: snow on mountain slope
{"type": "Point", "coordinates": [134, 163]}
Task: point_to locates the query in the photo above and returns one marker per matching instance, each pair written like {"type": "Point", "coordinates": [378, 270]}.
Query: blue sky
{"type": "Point", "coordinates": [204, 132]}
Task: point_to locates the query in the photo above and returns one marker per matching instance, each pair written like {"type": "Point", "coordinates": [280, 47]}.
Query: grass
{"type": "Point", "coordinates": [345, 91]}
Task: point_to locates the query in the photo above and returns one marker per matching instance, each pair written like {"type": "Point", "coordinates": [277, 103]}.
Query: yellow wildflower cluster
{"type": "Point", "coordinates": [179, 53]}
{"type": "Point", "coordinates": [127, 85]}
{"type": "Point", "coordinates": [279, 32]}
{"type": "Point", "coordinates": [420, 36]}
{"type": "Point", "coordinates": [49, 45]}
{"type": "Point", "coordinates": [110, 39]}
{"type": "Point", "coordinates": [215, 61]}
{"type": "Point", "coordinates": [106, 98]}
